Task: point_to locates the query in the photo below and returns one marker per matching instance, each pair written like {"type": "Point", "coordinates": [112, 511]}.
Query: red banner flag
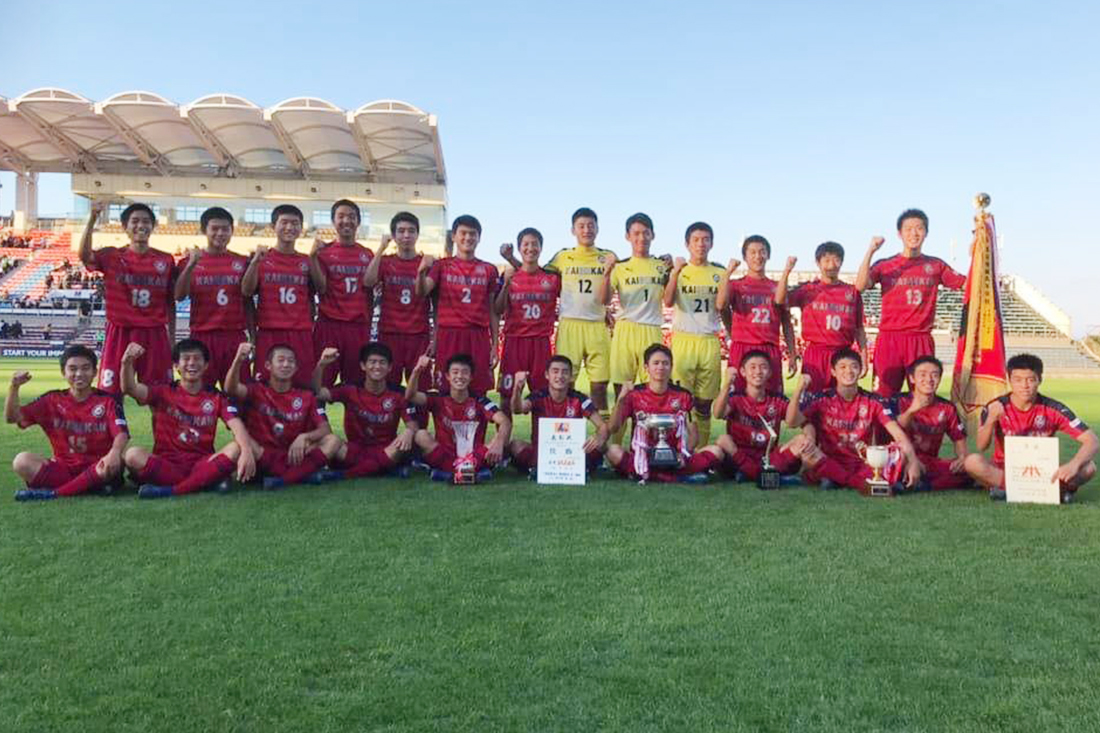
{"type": "Point", "coordinates": [980, 353]}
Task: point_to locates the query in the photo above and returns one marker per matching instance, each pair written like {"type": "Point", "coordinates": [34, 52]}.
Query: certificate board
{"type": "Point", "coordinates": [561, 451]}
{"type": "Point", "coordinates": [1029, 464]}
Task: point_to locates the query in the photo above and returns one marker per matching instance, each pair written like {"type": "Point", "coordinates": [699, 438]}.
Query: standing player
{"type": "Point", "coordinates": [910, 283]}
{"type": "Point", "coordinates": [926, 418]}
{"type": "Point", "coordinates": [658, 396]}
{"type": "Point", "coordinates": [281, 279]}
{"type": "Point", "coordinates": [756, 320]}
{"type": "Point", "coordinates": [466, 322]}
{"type": "Point", "coordinates": [371, 415]}
{"type": "Point", "coordinates": [460, 419]}
{"type": "Point", "coordinates": [558, 399]}
{"type": "Point", "coordinates": [582, 322]}
{"type": "Point", "coordinates": [692, 293]}
{"type": "Point", "coordinates": [346, 303]}
{"type": "Point", "coordinates": [841, 421]}
{"type": "Point", "coordinates": [528, 299]}
{"type": "Point", "coordinates": [748, 414]}
{"type": "Point", "coordinates": [85, 426]}
{"type": "Point", "coordinates": [832, 314]}
{"type": "Point", "coordinates": [138, 290]}
{"type": "Point", "coordinates": [291, 438]}
{"type": "Point", "coordinates": [1025, 411]}
{"type": "Point", "coordinates": [185, 423]}
{"type": "Point", "coordinates": [220, 313]}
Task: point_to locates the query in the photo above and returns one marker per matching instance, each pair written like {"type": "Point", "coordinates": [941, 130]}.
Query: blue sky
{"type": "Point", "coordinates": [801, 121]}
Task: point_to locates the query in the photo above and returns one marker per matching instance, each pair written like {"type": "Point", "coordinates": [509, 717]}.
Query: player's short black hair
{"type": "Point", "coordinates": [463, 359]}
{"type": "Point", "coordinates": [699, 226]}
{"type": "Point", "coordinates": [276, 347]}
{"type": "Point", "coordinates": [404, 216]}
{"type": "Point", "coordinates": [755, 354]}
{"type": "Point", "coordinates": [214, 212]}
{"type": "Point", "coordinates": [845, 354]}
{"type": "Point", "coordinates": [656, 349]}
{"type": "Point", "coordinates": [466, 220]}
{"type": "Point", "coordinates": [1025, 361]}
{"type": "Point", "coordinates": [289, 210]}
{"type": "Point", "coordinates": [584, 213]}
{"type": "Point", "coordinates": [186, 345]}
{"type": "Point", "coordinates": [756, 239]}
{"type": "Point", "coordinates": [926, 359]}
{"type": "Point", "coordinates": [913, 214]}
{"type": "Point", "coordinates": [129, 210]}
{"type": "Point", "coordinates": [349, 203]}
{"type": "Point", "coordinates": [78, 351]}
{"type": "Point", "coordinates": [639, 218]}
{"type": "Point", "coordinates": [828, 248]}
{"type": "Point", "coordinates": [560, 359]}
{"type": "Point", "coordinates": [375, 349]}
{"type": "Point", "coordinates": [528, 230]}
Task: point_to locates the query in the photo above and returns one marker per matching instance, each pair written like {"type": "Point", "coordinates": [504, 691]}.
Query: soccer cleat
{"type": "Point", "coordinates": [324, 476]}
{"type": "Point", "coordinates": [1067, 496]}
{"type": "Point", "coordinates": [483, 475]}
{"type": "Point", "coordinates": [273, 482]}
{"type": "Point", "coordinates": [739, 477]}
{"type": "Point", "coordinates": [695, 478]}
{"type": "Point", "coordinates": [152, 491]}
{"type": "Point", "coordinates": [792, 480]}
{"type": "Point", "coordinates": [222, 487]}
{"type": "Point", "coordinates": [438, 474]}
{"type": "Point", "coordinates": [420, 465]}
{"type": "Point", "coordinates": [35, 495]}
{"type": "Point", "coordinates": [997, 494]}
{"type": "Point", "coordinates": [827, 485]}
{"type": "Point", "coordinates": [899, 487]}
{"type": "Point", "coordinates": [401, 471]}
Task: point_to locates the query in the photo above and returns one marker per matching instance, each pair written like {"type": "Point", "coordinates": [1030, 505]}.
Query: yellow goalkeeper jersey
{"type": "Point", "coordinates": [640, 282]}
{"type": "Point", "coordinates": [694, 308]}
{"type": "Point", "coordinates": [581, 270]}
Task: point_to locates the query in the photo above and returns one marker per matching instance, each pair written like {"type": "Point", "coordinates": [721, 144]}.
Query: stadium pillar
{"type": "Point", "coordinates": [26, 200]}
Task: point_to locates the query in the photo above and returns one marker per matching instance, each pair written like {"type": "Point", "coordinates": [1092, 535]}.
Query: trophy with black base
{"type": "Point", "coordinates": [877, 456]}
{"type": "Point", "coordinates": [465, 466]}
{"type": "Point", "coordinates": [769, 477]}
{"type": "Point", "coordinates": [662, 455]}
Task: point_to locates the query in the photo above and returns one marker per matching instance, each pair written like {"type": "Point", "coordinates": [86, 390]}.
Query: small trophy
{"type": "Point", "coordinates": [877, 456]}
{"type": "Point", "coordinates": [662, 455]}
{"type": "Point", "coordinates": [465, 468]}
{"type": "Point", "coordinates": [769, 477]}
{"type": "Point", "coordinates": [465, 472]}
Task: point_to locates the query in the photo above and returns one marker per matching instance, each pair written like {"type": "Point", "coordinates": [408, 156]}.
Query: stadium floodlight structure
{"type": "Point", "coordinates": [223, 149]}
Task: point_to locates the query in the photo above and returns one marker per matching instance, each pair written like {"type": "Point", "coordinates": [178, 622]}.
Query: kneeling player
{"type": "Point", "coordinates": [753, 418]}
{"type": "Point", "coordinates": [926, 418]}
{"type": "Point", "coordinates": [659, 396]}
{"type": "Point", "coordinates": [1024, 411]}
{"type": "Point", "coordinates": [559, 400]}
{"type": "Point", "coordinates": [371, 414]}
{"type": "Point", "coordinates": [460, 421]}
{"type": "Point", "coordinates": [291, 438]}
{"type": "Point", "coordinates": [842, 421]}
{"type": "Point", "coordinates": [86, 428]}
{"type": "Point", "coordinates": [185, 421]}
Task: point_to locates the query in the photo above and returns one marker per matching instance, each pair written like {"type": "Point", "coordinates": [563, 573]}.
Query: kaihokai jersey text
{"type": "Point", "coordinates": [910, 286]}
{"type": "Point", "coordinates": [581, 269]}
{"type": "Point", "coordinates": [575, 404]}
{"type": "Point", "coordinates": [344, 298]}
{"type": "Point", "coordinates": [930, 424]}
{"type": "Point", "coordinates": [640, 283]}
{"type": "Point", "coordinates": [831, 313]}
{"type": "Point", "coordinates": [694, 308]}
{"type": "Point", "coordinates": [532, 304]}
{"type": "Point", "coordinates": [755, 316]}
{"type": "Point", "coordinates": [80, 433]}
{"type": "Point", "coordinates": [275, 419]}
{"type": "Point", "coordinates": [285, 292]}
{"type": "Point", "coordinates": [843, 424]}
{"type": "Point", "coordinates": [1045, 418]}
{"type": "Point", "coordinates": [748, 417]}
{"type": "Point", "coordinates": [466, 289]}
{"type": "Point", "coordinates": [642, 400]}
{"type": "Point", "coordinates": [460, 426]}
{"type": "Point", "coordinates": [217, 303]}
{"type": "Point", "coordinates": [185, 424]}
{"type": "Point", "coordinates": [137, 287]}
{"type": "Point", "coordinates": [402, 311]}
{"type": "Point", "coordinates": [370, 419]}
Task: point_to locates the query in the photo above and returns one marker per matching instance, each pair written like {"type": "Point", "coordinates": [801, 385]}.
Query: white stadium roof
{"type": "Point", "coordinates": [54, 130]}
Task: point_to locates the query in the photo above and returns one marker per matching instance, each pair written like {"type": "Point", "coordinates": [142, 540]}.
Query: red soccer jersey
{"type": "Point", "coordinates": [830, 313]}
{"type": "Point", "coordinates": [575, 404]}
{"type": "Point", "coordinates": [755, 314]}
{"type": "Point", "coordinates": [285, 292]}
{"type": "Point", "coordinates": [138, 287]}
{"type": "Point", "coordinates": [745, 421]}
{"type": "Point", "coordinates": [402, 311]}
{"type": "Point", "coordinates": [217, 303]}
{"type": "Point", "coordinates": [275, 419]}
{"type": "Point", "coordinates": [841, 424]}
{"type": "Point", "coordinates": [185, 424]}
{"type": "Point", "coordinates": [344, 298]}
{"type": "Point", "coordinates": [80, 433]}
{"type": "Point", "coordinates": [532, 304]}
{"type": "Point", "coordinates": [909, 290]}
{"type": "Point", "coordinates": [466, 290]}
{"type": "Point", "coordinates": [930, 424]}
{"type": "Point", "coordinates": [459, 426]}
{"type": "Point", "coordinates": [371, 419]}
{"type": "Point", "coordinates": [644, 401]}
{"type": "Point", "coordinates": [1045, 418]}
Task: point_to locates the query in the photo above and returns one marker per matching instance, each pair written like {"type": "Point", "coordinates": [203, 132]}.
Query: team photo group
{"type": "Point", "coordinates": [412, 345]}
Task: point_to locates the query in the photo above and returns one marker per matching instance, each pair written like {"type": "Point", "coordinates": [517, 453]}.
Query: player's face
{"type": "Point", "coordinates": [191, 365]}
{"type": "Point", "coordinates": [218, 233]}
{"type": "Point", "coordinates": [376, 367]}
{"type": "Point", "coordinates": [139, 226]}
{"type": "Point", "coordinates": [79, 373]}
{"type": "Point", "coordinates": [847, 372]}
{"type": "Point", "coordinates": [1024, 384]}
{"type": "Point", "coordinates": [757, 371]}
{"type": "Point", "coordinates": [459, 376]}
{"type": "Point", "coordinates": [829, 264]}
{"type": "Point", "coordinates": [466, 239]}
{"type": "Point", "coordinates": [912, 233]}
{"type": "Point", "coordinates": [406, 234]}
{"type": "Point", "coordinates": [559, 375]}
{"type": "Point", "coordinates": [529, 249]}
{"type": "Point", "coordinates": [282, 364]}
{"type": "Point", "coordinates": [659, 367]}
{"type": "Point", "coordinates": [698, 245]}
{"type": "Point", "coordinates": [756, 256]}
{"type": "Point", "coordinates": [346, 222]}
{"type": "Point", "coordinates": [288, 228]}
{"type": "Point", "coordinates": [585, 230]}
{"type": "Point", "coordinates": [926, 378]}
{"type": "Point", "coordinates": [640, 237]}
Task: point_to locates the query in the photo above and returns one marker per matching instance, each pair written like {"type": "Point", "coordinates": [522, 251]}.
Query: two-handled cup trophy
{"type": "Point", "coordinates": [661, 455]}
{"type": "Point", "coordinates": [876, 456]}
{"type": "Point", "coordinates": [769, 477]}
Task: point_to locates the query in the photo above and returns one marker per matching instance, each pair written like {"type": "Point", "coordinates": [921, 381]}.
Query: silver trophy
{"type": "Point", "coordinates": [769, 477]}
{"type": "Point", "coordinates": [662, 455]}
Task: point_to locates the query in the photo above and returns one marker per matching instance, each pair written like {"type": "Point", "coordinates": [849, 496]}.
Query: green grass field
{"type": "Point", "coordinates": [411, 606]}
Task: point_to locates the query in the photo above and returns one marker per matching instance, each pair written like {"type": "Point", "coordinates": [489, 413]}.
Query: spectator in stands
{"type": "Point", "coordinates": [47, 332]}
{"type": "Point", "coordinates": [5, 329]}
{"type": "Point", "coordinates": [16, 330]}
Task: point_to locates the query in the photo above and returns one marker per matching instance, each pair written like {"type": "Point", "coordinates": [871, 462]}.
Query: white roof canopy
{"type": "Point", "coordinates": [54, 130]}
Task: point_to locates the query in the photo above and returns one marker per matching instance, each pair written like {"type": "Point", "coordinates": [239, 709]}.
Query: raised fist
{"type": "Point", "coordinates": [507, 251]}
{"type": "Point", "coordinates": [245, 350]}
{"type": "Point", "coordinates": [679, 264]}
{"type": "Point", "coordinates": [193, 256]}
{"type": "Point", "coordinates": [791, 262]}
{"type": "Point", "coordinates": [876, 243]}
{"type": "Point", "coordinates": [733, 265]}
{"type": "Point", "coordinates": [423, 362]}
{"type": "Point", "coordinates": [804, 382]}
{"type": "Point", "coordinates": [520, 380]}
{"type": "Point", "coordinates": [329, 355]}
{"type": "Point", "coordinates": [99, 206]}
{"type": "Point", "coordinates": [609, 261]}
{"type": "Point", "coordinates": [426, 263]}
{"type": "Point", "coordinates": [509, 273]}
{"type": "Point", "coordinates": [133, 352]}
{"type": "Point", "coordinates": [261, 250]}
{"type": "Point", "coordinates": [386, 239]}
{"type": "Point", "coordinates": [20, 378]}
{"type": "Point", "coordinates": [994, 411]}
{"type": "Point", "coordinates": [318, 245]}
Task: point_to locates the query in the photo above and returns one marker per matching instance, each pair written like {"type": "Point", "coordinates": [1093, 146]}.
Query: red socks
{"type": "Point", "coordinates": [206, 473]}
{"type": "Point", "coordinates": [85, 481]}
{"type": "Point", "coordinates": [375, 463]}
{"type": "Point", "coordinates": [314, 460]}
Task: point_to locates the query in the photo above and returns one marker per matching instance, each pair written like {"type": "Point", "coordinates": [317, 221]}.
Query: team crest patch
{"type": "Point", "coordinates": [771, 410]}
{"type": "Point", "coordinates": [1040, 422]}
{"type": "Point", "coordinates": [297, 403]}
{"type": "Point", "coordinates": [863, 410]}
{"type": "Point", "coordinates": [387, 404]}
{"type": "Point", "coordinates": [208, 406]}
{"type": "Point", "coordinates": [98, 411]}
{"type": "Point", "coordinates": [238, 266]}
{"type": "Point", "coordinates": [480, 271]}
{"type": "Point", "coordinates": [850, 296]}
{"type": "Point", "coordinates": [942, 417]}
{"type": "Point", "coordinates": [363, 257]}
{"type": "Point", "coordinates": [717, 279]}
{"type": "Point", "coordinates": [674, 404]}
{"type": "Point", "coordinates": [928, 269]}
{"type": "Point", "coordinates": [304, 267]}
{"type": "Point", "coordinates": [159, 266]}
{"type": "Point", "coordinates": [546, 284]}
{"type": "Point", "coordinates": [470, 412]}
{"type": "Point", "coordinates": [570, 412]}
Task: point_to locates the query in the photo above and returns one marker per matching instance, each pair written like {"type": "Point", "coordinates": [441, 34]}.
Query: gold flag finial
{"type": "Point", "coordinates": [982, 201]}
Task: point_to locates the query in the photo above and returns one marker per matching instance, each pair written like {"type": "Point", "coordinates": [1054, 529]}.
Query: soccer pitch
{"type": "Point", "coordinates": [404, 605]}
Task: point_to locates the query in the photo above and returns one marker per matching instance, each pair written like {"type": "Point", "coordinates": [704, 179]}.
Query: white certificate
{"type": "Point", "coordinates": [561, 451]}
{"type": "Point", "coordinates": [1029, 465]}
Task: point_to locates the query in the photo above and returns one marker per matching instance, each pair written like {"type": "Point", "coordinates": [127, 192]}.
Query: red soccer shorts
{"type": "Point", "coordinates": [474, 342]}
{"type": "Point", "coordinates": [153, 367]}
{"type": "Point", "coordinates": [358, 453]}
{"type": "Point", "coordinates": [223, 347]}
{"type": "Point", "coordinates": [300, 342]}
{"type": "Point", "coordinates": [815, 363]}
{"type": "Point", "coordinates": [750, 461]}
{"type": "Point", "coordinates": [894, 352]}
{"type": "Point", "coordinates": [938, 474]}
{"type": "Point", "coordinates": [775, 356]}
{"type": "Point", "coordinates": [524, 354]}
{"type": "Point", "coordinates": [407, 348]}
{"type": "Point", "coordinates": [699, 462]}
{"type": "Point", "coordinates": [852, 474]}
{"type": "Point", "coordinates": [168, 470]}
{"type": "Point", "coordinates": [54, 473]}
{"type": "Point", "coordinates": [347, 336]}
